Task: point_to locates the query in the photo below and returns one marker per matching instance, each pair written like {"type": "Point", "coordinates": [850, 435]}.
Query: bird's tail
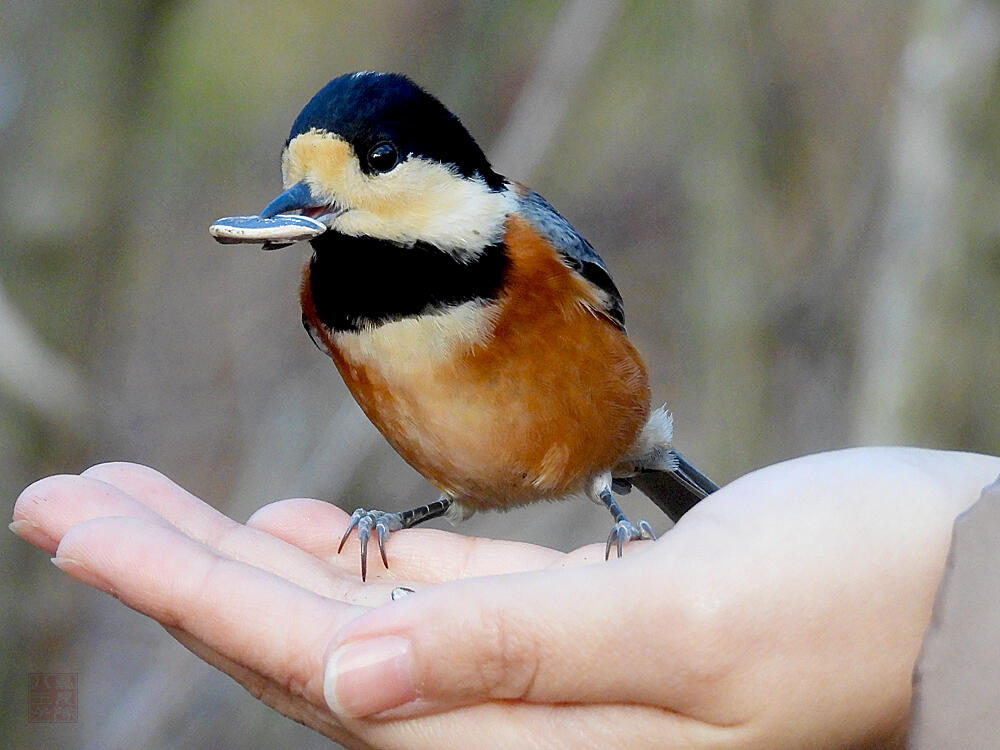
{"type": "Point", "coordinates": [675, 489]}
{"type": "Point", "coordinates": [660, 472]}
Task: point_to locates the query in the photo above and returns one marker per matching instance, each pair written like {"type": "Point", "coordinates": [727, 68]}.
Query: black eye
{"type": "Point", "coordinates": [383, 157]}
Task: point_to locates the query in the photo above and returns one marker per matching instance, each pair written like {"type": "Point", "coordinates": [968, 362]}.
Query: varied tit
{"type": "Point", "coordinates": [478, 331]}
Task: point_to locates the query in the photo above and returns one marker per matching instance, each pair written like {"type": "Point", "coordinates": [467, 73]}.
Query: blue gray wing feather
{"type": "Point", "coordinates": [574, 251]}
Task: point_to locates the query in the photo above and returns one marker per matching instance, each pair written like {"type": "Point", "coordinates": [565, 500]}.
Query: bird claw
{"type": "Point", "coordinates": [366, 521]}
{"type": "Point", "coordinates": [625, 531]}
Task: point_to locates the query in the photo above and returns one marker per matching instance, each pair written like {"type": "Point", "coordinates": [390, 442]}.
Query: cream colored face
{"type": "Point", "coordinates": [418, 200]}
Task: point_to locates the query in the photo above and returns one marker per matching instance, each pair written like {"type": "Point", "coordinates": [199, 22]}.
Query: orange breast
{"type": "Point", "coordinates": [550, 395]}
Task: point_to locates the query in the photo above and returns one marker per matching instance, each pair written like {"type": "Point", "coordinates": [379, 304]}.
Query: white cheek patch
{"type": "Point", "coordinates": [424, 201]}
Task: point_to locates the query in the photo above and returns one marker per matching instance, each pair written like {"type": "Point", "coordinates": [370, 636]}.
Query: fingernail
{"type": "Point", "coordinates": [79, 571]}
{"type": "Point", "coordinates": [32, 533]}
{"type": "Point", "coordinates": [368, 677]}
{"type": "Point", "coordinates": [23, 528]}
{"type": "Point", "coordinates": [258, 514]}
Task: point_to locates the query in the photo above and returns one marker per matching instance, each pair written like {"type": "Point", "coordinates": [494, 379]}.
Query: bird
{"type": "Point", "coordinates": [480, 333]}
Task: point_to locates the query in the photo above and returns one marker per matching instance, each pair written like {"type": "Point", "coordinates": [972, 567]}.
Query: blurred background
{"type": "Point", "coordinates": [798, 201]}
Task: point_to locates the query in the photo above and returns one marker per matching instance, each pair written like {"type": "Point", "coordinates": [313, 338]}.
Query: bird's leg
{"type": "Point", "coordinates": [623, 530]}
{"type": "Point", "coordinates": [365, 521]}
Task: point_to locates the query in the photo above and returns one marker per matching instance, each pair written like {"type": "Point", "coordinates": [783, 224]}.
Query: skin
{"type": "Point", "coordinates": [785, 611]}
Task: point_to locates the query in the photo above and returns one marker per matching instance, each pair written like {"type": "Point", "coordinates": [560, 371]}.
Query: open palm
{"type": "Point", "coordinates": [786, 610]}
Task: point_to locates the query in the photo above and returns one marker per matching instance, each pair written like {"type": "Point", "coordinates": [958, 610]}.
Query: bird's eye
{"type": "Point", "coordinates": [383, 157]}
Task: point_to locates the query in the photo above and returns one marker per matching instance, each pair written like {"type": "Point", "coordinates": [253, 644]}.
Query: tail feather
{"type": "Point", "coordinates": [674, 490]}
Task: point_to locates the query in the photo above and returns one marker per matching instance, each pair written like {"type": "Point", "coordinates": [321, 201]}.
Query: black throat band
{"type": "Point", "coordinates": [361, 282]}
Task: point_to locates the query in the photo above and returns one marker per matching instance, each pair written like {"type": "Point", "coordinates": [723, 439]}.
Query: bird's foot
{"type": "Point", "coordinates": [367, 521]}
{"type": "Point", "coordinates": [382, 523]}
{"type": "Point", "coordinates": [625, 531]}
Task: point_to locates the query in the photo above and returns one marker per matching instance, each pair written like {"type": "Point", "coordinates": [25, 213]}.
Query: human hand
{"type": "Point", "coordinates": [785, 611]}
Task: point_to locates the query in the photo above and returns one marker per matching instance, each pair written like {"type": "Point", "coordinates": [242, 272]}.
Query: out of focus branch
{"type": "Point", "coordinates": [577, 34]}
{"type": "Point", "coordinates": [950, 49]}
{"type": "Point", "coordinates": [34, 374]}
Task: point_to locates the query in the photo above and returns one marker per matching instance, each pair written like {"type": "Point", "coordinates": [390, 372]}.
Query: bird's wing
{"type": "Point", "coordinates": [574, 251]}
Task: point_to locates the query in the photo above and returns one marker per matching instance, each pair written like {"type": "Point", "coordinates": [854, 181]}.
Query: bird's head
{"type": "Point", "coordinates": [374, 155]}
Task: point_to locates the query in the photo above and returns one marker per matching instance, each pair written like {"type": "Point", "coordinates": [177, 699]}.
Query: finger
{"type": "Point", "coordinates": [419, 555]}
{"type": "Point", "coordinates": [54, 504]}
{"type": "Point", "coordinates": [337, 578]}
{"type": "Point", "coordinates": [50, 507]}
{"type": "Point", "coordinates": [164, 497]}
{"type": "Point", "coordinates": [256, 619]}
{"type": "Point", "coordinates": [553, 637]}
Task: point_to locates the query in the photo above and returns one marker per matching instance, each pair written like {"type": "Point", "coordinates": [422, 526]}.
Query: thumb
{"type": "Point", "coordinates": [593, 634]}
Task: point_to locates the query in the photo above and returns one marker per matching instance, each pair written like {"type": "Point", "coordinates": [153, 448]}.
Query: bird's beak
{"type": "Point", "coordinates": [273, 227]}
{"type": "Point", "coordinates": [300, 196]}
